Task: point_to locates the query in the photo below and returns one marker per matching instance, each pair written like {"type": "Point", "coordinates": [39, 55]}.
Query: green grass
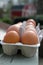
{"type": "Point", "coordinates": [6, 20]}
{"type": "Point", "coordinates": [0, 19]}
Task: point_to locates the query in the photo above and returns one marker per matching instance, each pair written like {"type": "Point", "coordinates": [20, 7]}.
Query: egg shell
{"type": "Point", "coordinates": [11, 37]}
{"type": "Point", "coordinates": [27, 28]}
{"type": "Point", "coordinates": [15, 27]}
{"type": "Point", "coordinates": [32, 21]}
{"type": "Point", "coordinates": [29, 37]}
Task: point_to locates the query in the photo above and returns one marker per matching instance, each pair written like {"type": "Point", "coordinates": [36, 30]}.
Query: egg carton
{"type": "Point", "coordinates": [26, 50]}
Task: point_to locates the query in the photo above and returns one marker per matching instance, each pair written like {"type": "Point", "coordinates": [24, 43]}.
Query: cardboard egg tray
{"type": "Point", "coordinates": [27, 50]}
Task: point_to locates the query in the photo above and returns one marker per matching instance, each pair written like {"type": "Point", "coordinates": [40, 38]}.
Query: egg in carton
{"type": "Point", "coordinates": [10, 38]}
{"type": "Point", "coordinates": [30, 50]}
{"type": "Point", "coordinates": [27, 50]}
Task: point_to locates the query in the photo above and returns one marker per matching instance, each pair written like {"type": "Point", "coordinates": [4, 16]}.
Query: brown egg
{"type": "Point", "coordinates": [30, 27]}
{"type": "Point", "coordinates": [11, 37]}
{"type": "Point", "coordinates": [15, 27]}
{"type": "Point", "coordinates": [19, 23]}
{"type": "Point", "coordinates": [31, 21]}
{"type": "Point", "coordinates": [29, 37]}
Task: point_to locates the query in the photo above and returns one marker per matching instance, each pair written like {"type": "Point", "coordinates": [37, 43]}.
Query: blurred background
{"type": "Point", "coordinates": [13, 11]}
